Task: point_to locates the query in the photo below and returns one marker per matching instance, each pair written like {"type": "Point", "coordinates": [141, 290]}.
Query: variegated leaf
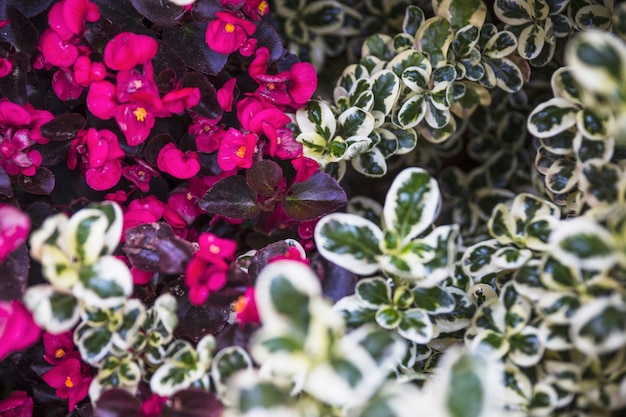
{"type": "Point", "coordinates": [464, 13]}
{"type": "Point", "coordinates": [501, 45]}
{"type": "Point", "coordinates": [603, 183]}
{"type": "Point", "coordinates": [508, 75]}
{"type": "Point", "coordinates": [367, 208]}
{"type": "Point", "coordinates": [559, 276]}
{"type": "Point", "coordinates": [355, 122]}
{"type": "Point", "coordinates": [378, 46]}
{"type": "Point", "coordinates": [600, 326]}
{"type": "Point", "coordinates": [527, 347]}
{"type": "Point", "coordinates": [413, 19]}
{"type": "Point", "coordinates": [317, 117]}
{"type": "Point", "coordinates": [477, 259]}
{"type": "Point", "coordinates": [513, 12]}
{"type": "Point", "coordinates": [511, 257]}
{"type": "Point", "coordinates": [388, 317]}
{"type": "Point", "coordinates": [552, 117]}
{"type": "Point", "coordinates": [465, 39]}
{"type": "Point", "coordinates": [436, 117]}
{"type": "Point", "coordinates": [444, 241]}
{"type": "Point", "coordinates": [562, 176]}
{"type": "Point", "coordinates": [385, 88]}
{"type": "Point", "coordinates": [84, 235]}
{"type": "Point", "coordinates": [55, 311]}
{"type": "Point", "coordinates": [588, 149]}
{"type": "Point", "coordinates": [531, 41]}
{"type": "Point", "coordinates": [94, 343]}
{"type": "Point", "coordinates": [324, 17]}
{"type": "Point", "coordinates": [412, 203]}
{"type": "Point", "coordinates": [407, 59]}
{"type": "Point", "coordinates": [564, 85]}
{"type": "Point", "coordinates": [595, 123]}
{"type": "Point", "coordinates": [228, 362]}
{"type": "Point", "coordinates": [433, 38]}
{"type": "Point", "coordinates": [105, 284]}
{"type": "Point", "coordinates": [435, 300]}
{"type": "Point", "coordinates": [411, 112]}
{"type": "Point", "coordinates": [370, 164]}
{"type": "Point", "coordinates": [373, 292]}
{"type": "Point", "coordinates": [416, 326]}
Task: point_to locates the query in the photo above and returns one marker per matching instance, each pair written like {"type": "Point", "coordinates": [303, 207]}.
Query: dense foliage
{"type": "Point", "coordinates": [312, 208]}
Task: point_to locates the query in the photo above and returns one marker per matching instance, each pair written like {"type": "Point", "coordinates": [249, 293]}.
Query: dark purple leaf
{"type": "Point", "coordinates": [267, 36]}
{"type": "Point", "coordinates": [115, 402]}
{"type": "Point", "coordinates": [14, 273]}
{"type": "Point", "coordinates": [24, 32]}
{"type": "Point", "coordinates": [208, 107]}
{"type": "Point", "coordinates": [264, 177]}
{"type": "Point", "coordinates": [231, 197]}
{"type": "Point", "coordinates": [52, 153]}
{"type": "Point", "coordinates": [168, 58]}
{"type": "Point", "coordinates": [189, 42]}
{"type": "Point", "coordinates": [195, 322]}
{"type": "Point", "coordinates": [204, 10]}
{"type": "Point", "coordinates": [337, 282]}
{"type": "Point", "coordinates": [161, 12]}
{"type": "Point", "coordinates": [154, 145]}
{"type": "Point", "coordinates": [63, 127]}
{"type": "Point", "coordinates": [235, 335]}
{"type": "Point", "coordinates": [13, 86]}
{"type": "Point", "coordinates": [262, 256]}
{"type": "Point", "coordinates": [42, 183]}
{"type": "Point", "coordinates": [31, 8]}
{"type": "Point", "coordinates": [195, 403]}
{"type": "Point", "coordinates": [6, 189]}
{"type": "Point", "coordinates": [315, 197]}
{"type": "Point", "coordinates": [166, 80]}
{"type": "Point", "coordinates": [153, 247]}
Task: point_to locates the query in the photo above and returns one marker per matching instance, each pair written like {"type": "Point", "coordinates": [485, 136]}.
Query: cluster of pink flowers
{"type": "Point", "coordinates": [70, 376]}
{"type": "Point", "coordinates": [20, 128]}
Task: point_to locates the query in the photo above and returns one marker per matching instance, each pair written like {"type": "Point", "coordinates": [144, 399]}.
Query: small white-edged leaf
{"type": "Point", "coordinates": [552, 117]}
{"type": "Point", "coordinates": [48, 233]}
{"type": "Point", "coordinates": [316, 116]}
{"type": "Point", "coordinates": [416, 326]}
{"type": "Point", "coordinates": [105, 284]}
{"type": "Point", "coordinates": [55, 311]}
{"type": "Point", "coordinates": [84, 234]}
{"type": "Point", "coordinates": [599, 326]}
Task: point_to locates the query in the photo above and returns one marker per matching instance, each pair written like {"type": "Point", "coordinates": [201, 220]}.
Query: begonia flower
{"type": "Point", "coordinates": [177, 101]}
{"type": "Point", "coordinates": [18, 404]}
{"type": "Point", "coordinates": [138, 87]}
{"type": "Point", "coordinates": [246, 309]}
{"type": "Point", "coordinates": [67, 17]}
{"type": "Point", "coordinates": [207, 270]}
{"type": "Point", "coordinates": [70, 381]}
{"type": "Point", "coordinates": [57, 347]}
{"type": "Point", "coordinates": [153, 406]}
{"type": "Point", "coordinates": [57, 51]}
{"type": "Point", "coordinates": [86, 72]}
{"type": "Point", "coordinates": [127, 50]}
{"type": "Point", "coordinates": [226, 95]}
{"type": "Point", "coordinates": [207, 134]}
{"type": "Point", "coordinates": [140, 175]}
{"type": "Point", "coordinates": [293, 254]}
{"type": "Point", "coordinates": [236, 150]}
{"type": "Point", "coordinates": [14, 229]}
{"type": "Point", "coordinates": [18, 330]}
{"type": "Point", "coordinates": [302, 83]}
{"type": "Point", "coordinates": [98, 154]}
{"type": "Point", "coordinates": [305, 168]}
{"type": "Point", "coordinates": [269, 122]}
{"type": "Point", "coordinates": [101, 100]}
{"type": "Point", "coordinates": [256, 9]}
{"type": "Point", "coordinates": [135, 121]}
{"type": "Point", "coordinates": [64, 85]}
{"type": "Point", "coordinates": [185, 204]}
{"type": "Point", "coordinates": [6, 66]}
{"type": "Point", "coordinates": [227, 33]}
{"type": "Point", "coordinates": [176, 163]}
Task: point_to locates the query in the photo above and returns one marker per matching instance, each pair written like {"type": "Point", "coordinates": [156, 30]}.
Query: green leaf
{"type": "Point", "coordinates": [371, 164]}
{"type": "Point", "coordinates": [386, 88]}
{"type": "Point", "coordinates": [105, 284]}
{"type": "Point", "coordinates": [435, 300]}
{"type": "Point", "coordinates": [466, 394]}
{"type": "Point", "coordinates": [315, 197]}
{"type": "Point", "coordinates": [552, 117]}
{"type": "Point", "coordinates": [317, 117]}
{"type": "Point", "coordinates": [94, 343]}
{"type": "Point", "coordinates": [388, 317]}
{"type": "Point", "coordinates": [501, 45]}
{"type": "Point", "coordinates": [373, 292]}
{"type": "Point", "coordinates": [412, 203]}
{"type": "Point", "coordinates": [513, 12]}
{"type": "Point", "coordinates": [600, 326]}
{"type": "Point", "coordinates": [349, 241]}
{"type": "Point", "coordinates": [323, 17]}
{"type": "Point", "coordinates": [411, 112]}
{"type": "Point", "coordinates": [355, 122]}
{"type": "Point", "coordinates": [416, 326]}
{"type": "Point", "coordinates": [433, 38]}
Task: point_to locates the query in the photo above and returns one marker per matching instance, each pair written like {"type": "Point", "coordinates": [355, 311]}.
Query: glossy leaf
{"type": "Point", "coordinates": [231, 197]}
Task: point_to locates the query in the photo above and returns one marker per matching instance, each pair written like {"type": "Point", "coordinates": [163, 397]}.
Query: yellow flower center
{"type": "Point", "coordinates": [214, 249]}
{"type": "Point", "coordinates": [229, 27]}
{"type": "Point", "coordinates": [189, 196]}
{"type": "Point", "coordinates": [241, 151]}
{"type": "Point", "coordinates": [137, 84]}
{"type": "Point", "coordinates": [59, 353]}
{"type": "Point", "coordinates": [262, 8]}
{"type": "Point", "coordinates": [271, 86]}
{"type": "Point", "coordinates": [68, 382]}
{"type": "Point", "coordinates": [140, 113]}
{"type": "Point", "coordinates": [240, 304]}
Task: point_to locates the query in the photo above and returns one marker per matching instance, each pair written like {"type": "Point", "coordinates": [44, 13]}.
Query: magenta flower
{"type": "Point", "coordinates": [135, 121]}
{"type": "Point", "coordinates": [208, 269]}
{"type": "Point", "coordinates": [236, 150]}
{"type": "Point", "coordinates": [98, 155]}
{"type": "Point", "coordinates": [64, 85]}
{"type": "Point", "coordinates": [207, 134]}
{"type": "Point", "coordinates": [142, 211]}
{"type": "Point", "coordinates": [152, 407]}
{"type": "Point", "coordinates": [127, 50]}
{"type": "Point", "coordinates": [256, 9]}
{"type": "Point", "coordinates": [18, 404]}
{"type": "Point", "coordinates": [246, 309]}
{"type": "Point", "coordinates": [58, 52]}
{"type": "Point", "coordinates": [14, 228]}
{"type": "Point", "coordinates": [228, 33]}
{"type": "Point", "coordinates": [18, 330]}
{"type": "Point", "coordinates": [140, 175]}
{"type": "Point", "coordinates": [67, 17]}
{"type": "Point", "coordinates": [305, 168]}
{"type": "Point", "coordinates": [86, 72]}
{"type": "Point", "coordinates": [226, 94]}
{"type": "Point", "coordinates": [70, 381]}
{"type": "Point", "coordinates": [185, 204]}
{"type": "Point", "coordinates": [6, 66]}
{"type": "Point", "coordinates": [176, 163]}
{"type": "Point", "coordinates": [302, 84]}
{"type": "Point", "coordinates": [272, 123]}
{"type": "Point", "coordinates": [101, 100]}
{"type": "Point", "coordinates": [57, 347]}
{"type": "Point", "coordinates": [177, 101]}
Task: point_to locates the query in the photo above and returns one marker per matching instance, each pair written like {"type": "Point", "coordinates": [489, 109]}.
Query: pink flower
{"type": "Point", "coordinates": [14, 228]}
{"type": "Point", "coordinates": [185, 205]}
{"type": "Point", "coordinates": [176, 163]}
{"type": "Point", "coordinates": [246, 309]}
{"type": "Point", "coordinates": [101, 100]}
{"type": "Point", "coordinates": [127, 50]}
{"type": "Point", "coordinates": [57, 347]}
{"type": "Point", "coordinates": [70, 381]}
{"type": "Point", "coordinates": [135, 121]}
{"type": "Point", "coordinates": [228, 33]}
{"type": "Point", "coordinates": [305, 168]}
{"type": "Point", "coordinates": [302, 83]}
{"type": "Point", "coordinates": [140, 175]}
{"type": "Point", "coordinates": [18, 330]}
{"type": "Point", "coordinates": [177, 101]}
{"type": "Point", "coordinates": [293, 254]}
{"type": "Point", "coordinates": [207, 134]}
{"type": "Point", "coordinates": [226, 94]}
{"type": "Point", "coordinates": [208, 269]}
{"type": "Point", "coordinates": [98, 155]}
{"type": "Point", "coordinates": [67, 17]}
{"type": "Point", "coordinates": [152, 407]}
{"type": "Point", "coordinates": [18, 404]}
{"type": "Point", "coordinates": [86, 72]}
{"type": "Point", "coordinates": [64, 85]}
{"type": "Point", "coordinates": [6, 66]}
{"type": "Point", "coordinates": [57, 51]}
{"type": "Point", "coordinates": [270, 122]}
{"type": "Point", "coordinates": [236, 150]}
{"type": "Point", "coordinates": [256, 9]}
{"type": "Point", "coordinates": [12, 114]}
